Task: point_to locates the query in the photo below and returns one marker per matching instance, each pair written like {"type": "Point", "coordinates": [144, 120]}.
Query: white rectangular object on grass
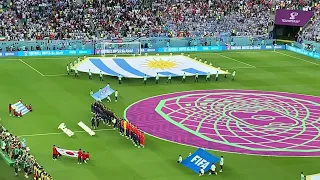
{"type": "Point", "coordinates": [67, 131]}
{"type": "Point", "coordinates": [86, 128]}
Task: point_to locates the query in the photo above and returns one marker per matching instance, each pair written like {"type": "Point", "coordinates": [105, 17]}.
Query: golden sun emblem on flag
{"type": "Point", "coordinates": [160, 64]}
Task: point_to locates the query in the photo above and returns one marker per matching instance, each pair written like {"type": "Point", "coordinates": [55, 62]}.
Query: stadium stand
{"type": "Point", "coordinates": [87, 20]}
{"type": "Point", "coordinates": [63, 19]}
{"type": "Point", "coordinates": [212, 18]}
{"type": "Point", "coordinates": [312, 31]}
{"type": "Point", "coordinates": [14, 151]}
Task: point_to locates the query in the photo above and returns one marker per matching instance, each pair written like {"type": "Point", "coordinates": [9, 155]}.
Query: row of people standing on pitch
{"type": "Point", "coordinates": [196, 77]}
{"type": "Point", "coordinates": [107, 116]}
{"type": "Point", "coordinates": [132, 132]}
{"type": "Point", "coordinates": [101, 114]}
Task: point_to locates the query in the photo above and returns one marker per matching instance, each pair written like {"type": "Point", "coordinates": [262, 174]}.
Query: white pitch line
{"type": "Point", "coordinates": [31, 67]}
{"type": "Point", "coordinates": [54, 75]}
{"type": "Point", "coordinates": [235, 60]}
{"type": "Point", "coordinates": [297, 58]}
{"type": "Point", "coordinates": [47, 134]}
{"type": "Point", "coordinates": [238, 68]}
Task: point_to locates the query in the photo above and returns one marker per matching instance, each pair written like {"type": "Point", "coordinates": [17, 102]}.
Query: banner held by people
{"type": "Point", "coordinates": [65, 152]}
{"type": "Point", "coordinates": [200, 159]}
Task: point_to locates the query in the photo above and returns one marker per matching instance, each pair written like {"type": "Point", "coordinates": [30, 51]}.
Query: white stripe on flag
{"type": "Point", "coordinates": [66, 152]}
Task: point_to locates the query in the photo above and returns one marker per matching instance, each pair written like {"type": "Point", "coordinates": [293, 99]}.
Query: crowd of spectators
{"type": "Point", "coordinates": [88, 19]}
{"type": "Point", "coordinates": [305, 5]}
{"type": "Point", "coordinates": [312, 31]}
{"type": "Point", "coordinates": [214, 17]}
{"type": "Point", "coordinates": [18, 152]}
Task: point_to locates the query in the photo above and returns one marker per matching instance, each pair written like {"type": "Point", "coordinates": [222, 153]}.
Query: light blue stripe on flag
{"type": "Point", "coordinates": [194, 71]}
{"type": "Point", "coordinates": [20, 108]}
{"type": "Point", "coordinates": [103, 93]}
{"type": "Point", "coordinates": [167, 74]}
{"type": "Point", "coordinates": [103, 67]}
{"type": "Point", "coordinates": [200, 159]}
{"type": "Point", "coordinates": [122, 63]}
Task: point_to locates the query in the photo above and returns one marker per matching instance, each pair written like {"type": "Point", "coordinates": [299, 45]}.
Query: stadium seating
{"type": "Point", "coordinates": [67, 131]}
{"type": "Point", "coordinates": [86, 128]}
{"type": "Point", "coordinates": [66, 19]}
{"type": "Point", "coordinates": [134, 19]}
{"type": "Point", "coordinates": [312, 31]}
{"type": "Point", "coordinates": [6, 158]}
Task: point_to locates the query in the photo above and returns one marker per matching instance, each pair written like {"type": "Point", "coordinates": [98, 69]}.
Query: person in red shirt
{"type": "Point", "coordinates": [79, 156]}
{"type": "Point", "coordinates": [15, 112]}
{"type": "Point", "coordinates": [20, 114]}
{"type": "Point", "coordinates": [88, 156]}
{"type": "Point", "coordinates": [10, 109]}
{"type": "Point", "coordinates": [129, 126]}
{"type": "Point", "coordinates": [54, 153]}
{"type": "Point", "coordinates": [136, 136]}
{"type": "Point", "coordinates": [139, 138]}
{"type": "Point", "coordinates": [30, 107]}
{"type": "Point", "coordinates": [142, 139]}
{"type": "Point", "coordinates": [132, 132]}
{"type": "Point", "coordinates": [122, 127]}
{"type": "Point", "coordinates": [84, 157]}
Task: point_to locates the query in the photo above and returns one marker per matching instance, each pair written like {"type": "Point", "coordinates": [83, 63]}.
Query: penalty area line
{"type": "Point", "coordinates": [31, 67]}
{"type": "Point", "coordinates": [297, 58]}
{"type": "Point", "coordinates": [235, 60]}
{"type": "Point", "coordinates": [239, 68]}
{"type": "Point", "coordinates": [55, 133]}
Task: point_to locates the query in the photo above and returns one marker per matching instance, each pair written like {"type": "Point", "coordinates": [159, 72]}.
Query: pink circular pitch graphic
{"type": "Point", "coordinates": [239, 121]}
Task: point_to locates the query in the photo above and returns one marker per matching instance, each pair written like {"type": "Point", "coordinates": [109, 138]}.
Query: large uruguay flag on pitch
{"type": "Point", "coordinates": [139, 66]}
{"type": "Point", "coordinates": [103, 93]}
{"type": "Point", "coordinates": [200, 159]}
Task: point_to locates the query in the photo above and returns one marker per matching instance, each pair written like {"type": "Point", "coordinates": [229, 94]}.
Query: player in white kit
{"type": "Point", "coordinates": [179, 159]}
{"type": "Point", "coordinates": [201, 172]}
{"type": "Point", "coordinates": [302, 176]}
{"type": "Point", "coordinates": [213, 169]}
{"type": "Point", "coordinates": [221, 163]}
{"type": "Point", "coordinates": [116, 95]}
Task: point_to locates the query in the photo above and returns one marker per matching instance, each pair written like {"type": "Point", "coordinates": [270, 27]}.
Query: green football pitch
{"type": "Point", "coordinates": [58, 98]}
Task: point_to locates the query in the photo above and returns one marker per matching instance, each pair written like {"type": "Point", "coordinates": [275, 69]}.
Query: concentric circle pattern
{"type": "Point", "coordinates": [240, 121]}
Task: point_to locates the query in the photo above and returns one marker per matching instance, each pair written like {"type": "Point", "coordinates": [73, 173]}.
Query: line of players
{"type": "Point", "coordinates": [108, 117]}
{"type": "Point", "coordinates": [212, 168]}
{"type": "Point", "coordinates": [130, 131]}
{"type": "Point", "coordinates": [125, 129]}
{"type": "Point", "coordinates": [145, 77]}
